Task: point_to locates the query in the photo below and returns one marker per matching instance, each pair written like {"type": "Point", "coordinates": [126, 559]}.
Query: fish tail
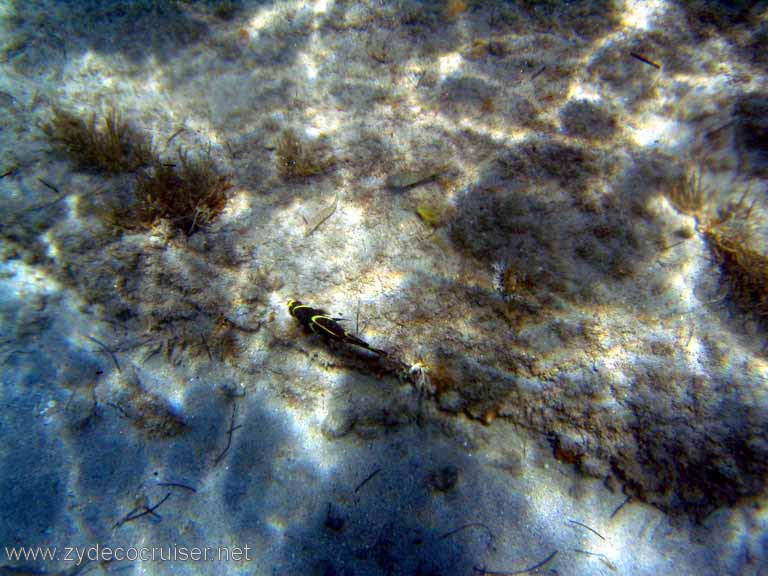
{"type": "Point", "coordinates": [363, 344]}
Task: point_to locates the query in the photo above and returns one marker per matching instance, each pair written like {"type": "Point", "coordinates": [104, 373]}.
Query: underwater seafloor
{"type": "Point", "coordinates": [550, 215]}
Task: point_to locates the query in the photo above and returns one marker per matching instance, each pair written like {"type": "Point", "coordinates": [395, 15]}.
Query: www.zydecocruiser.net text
{"type": "Point", "coordinates": [97, 553]}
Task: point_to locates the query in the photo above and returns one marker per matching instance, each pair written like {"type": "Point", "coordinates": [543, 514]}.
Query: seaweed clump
{"type": "Point", "coordinates": [112, 146]}
{"type": "Point", "coordinates": [688, 196]}
{"type": "Point", "coordinates": [745, 267]}
{"type": "Point", "coordinates": [728, 235]}
{"type": "Point", "coordinates": [297, 160]}
{"type": "Point", "coordinates": [188, 196]}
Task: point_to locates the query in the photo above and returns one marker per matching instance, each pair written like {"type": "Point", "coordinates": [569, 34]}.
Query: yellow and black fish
{"type": "Point", "coordinates": [321, 323]}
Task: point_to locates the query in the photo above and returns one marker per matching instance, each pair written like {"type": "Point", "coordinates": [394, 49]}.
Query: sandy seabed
{"type": "Point", "coordinates": [540, 211]}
